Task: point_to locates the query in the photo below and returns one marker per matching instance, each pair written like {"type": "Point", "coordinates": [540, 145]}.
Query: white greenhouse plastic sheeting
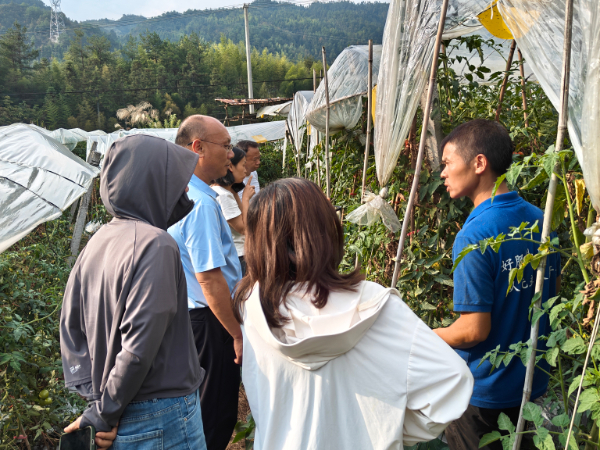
{"type": "Point", "coordinates": [260, 132]}
{"type": "Point", "coordinates": [282, 109]}
{"type": "Point", "coordinates": [538, 28]}
{"type": "Point", "coordinates": [407, 51]}
{"type": "Point", "coordinates": [39, 179]}
{"type": "Point", "coordinates": [347, 79]}
{"type": "Point", "coordinates": [70, 138]}
{"type": "Point", "coordinates": [297, 118]}
{"type": "Point", "coordinates": [408, 41]}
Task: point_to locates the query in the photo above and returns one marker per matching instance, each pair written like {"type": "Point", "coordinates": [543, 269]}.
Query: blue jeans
{"type": "Point", "coordinates": [161, 424]}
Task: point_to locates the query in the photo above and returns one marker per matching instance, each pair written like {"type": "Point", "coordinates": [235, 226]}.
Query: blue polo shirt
{"type": "Point", "coordinates": [480, 285]}
{"type": "Point", "coordinates": [205, 242]}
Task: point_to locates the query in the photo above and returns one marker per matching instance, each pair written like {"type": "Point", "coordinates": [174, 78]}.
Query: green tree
{"type": "Point", "coordinates": [17, 49]}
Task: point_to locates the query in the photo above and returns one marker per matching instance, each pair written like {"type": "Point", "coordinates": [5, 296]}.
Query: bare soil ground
{"type": "Point", "coordinates": [243, 411]}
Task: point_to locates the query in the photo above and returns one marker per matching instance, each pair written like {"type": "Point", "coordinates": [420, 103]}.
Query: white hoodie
{"type": "Point", "coordinates": [362, 373]}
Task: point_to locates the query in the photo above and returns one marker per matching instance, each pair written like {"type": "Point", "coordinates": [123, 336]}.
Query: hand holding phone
{"type": "Point", "coordinates": [102, 440]}
{"type": "Point", "coordinates": [81, 439]}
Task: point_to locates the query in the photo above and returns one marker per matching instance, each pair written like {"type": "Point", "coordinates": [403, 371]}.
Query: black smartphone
{"type": "Point", "coordinates": [83, 439]}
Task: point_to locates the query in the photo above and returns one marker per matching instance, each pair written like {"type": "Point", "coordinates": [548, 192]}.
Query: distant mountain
{"type": "Point", "coordinates": [298, 31]}
{"type": "Point", "coordinates": [35, 15]}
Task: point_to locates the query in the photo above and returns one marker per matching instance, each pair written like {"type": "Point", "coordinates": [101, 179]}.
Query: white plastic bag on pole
{"type": "Point", "coordinates": [375, 207]}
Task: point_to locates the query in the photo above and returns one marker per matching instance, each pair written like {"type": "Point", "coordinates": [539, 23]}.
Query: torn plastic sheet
{"type": "Point", "coordinates": [347, 79]}
{"type": "Point", "coordinates": [297, 118]}
{"type": "Point", "coordinates": [92, 227]}
{"type": "Point", "coordinates": [374, 208]}
{"type": "Point", "coordinates": [39, 179]}
{"type": "Point", "coordinates": [283, 109]}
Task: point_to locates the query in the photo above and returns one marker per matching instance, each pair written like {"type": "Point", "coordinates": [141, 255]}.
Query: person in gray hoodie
{"type": "Point", "coordinates": [126, 339]}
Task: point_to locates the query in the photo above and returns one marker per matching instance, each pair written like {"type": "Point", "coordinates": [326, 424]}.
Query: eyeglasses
{"type": "Point", "coordinates": [228, 147]}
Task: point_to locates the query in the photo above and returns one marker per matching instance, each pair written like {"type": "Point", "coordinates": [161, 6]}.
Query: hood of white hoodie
{"type": "Point", "coordinates": [313, 336]}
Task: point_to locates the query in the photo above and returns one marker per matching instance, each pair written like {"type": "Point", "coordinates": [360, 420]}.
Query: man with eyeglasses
{"type": "Point", "coordinates": [212, 269]}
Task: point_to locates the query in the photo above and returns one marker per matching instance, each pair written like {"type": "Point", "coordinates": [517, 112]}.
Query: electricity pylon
{"type": "Point", "coordinates": [57, 24]}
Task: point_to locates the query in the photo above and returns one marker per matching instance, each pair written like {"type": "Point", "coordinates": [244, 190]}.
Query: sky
{"type": "Point", "coordinates": [114, 9]}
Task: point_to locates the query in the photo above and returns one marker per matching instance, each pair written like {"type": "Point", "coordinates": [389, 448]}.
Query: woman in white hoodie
{"type": "Point", "coordinates": [332, 361]}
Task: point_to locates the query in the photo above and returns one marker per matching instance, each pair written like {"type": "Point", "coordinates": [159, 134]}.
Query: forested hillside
{"type": "Point", "coordinates": [295, 30]}
{"type": "Point", "coordinates": [179, 78]}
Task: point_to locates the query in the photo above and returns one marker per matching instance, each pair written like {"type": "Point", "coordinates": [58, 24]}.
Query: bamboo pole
{"type": "Point", "coordinates": [426, 114]}
{"type": "Point", "coordinates": [327, 162]}
{"type": "Point", "coordinates": [539, 282]}
{"type": "Point", "coordinates": [523, 93]}
{"type": "Point", "coordinates": [509, 61]}
{"type": "Point", "coordinates": [248, 59]}
{"type": "Point", "coordinates": [307, 151]}
{"type": "Point", "coordinates": [318, 161]}
{"type": "Point", "coordinates": [369, 107]}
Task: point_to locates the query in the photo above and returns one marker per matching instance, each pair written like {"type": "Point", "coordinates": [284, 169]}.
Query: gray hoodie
{"type": "Point", "coordinates": [133, 260]}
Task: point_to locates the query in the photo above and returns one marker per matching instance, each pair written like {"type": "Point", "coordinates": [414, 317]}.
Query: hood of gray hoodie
{"type": "Point", "coordinates": [144, 178]}
{"type": "Point", "coordinates": [128, 281]}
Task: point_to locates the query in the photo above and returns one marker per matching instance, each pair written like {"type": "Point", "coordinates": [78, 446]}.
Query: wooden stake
{"type": "Point", "coordinates": [369, 107]}
{"type": "Point", "coordinates": [563, 115]}
{"type": "Point", "coordinates": [284, 153]}
{"type": "Point", "coordinates": [94, 160]}
{"type": "Point", "coordinates": [506, 75]}
{"type": "Point", "coordinates": [327, 162]}
{"type": "Point", "coordinates": [523, 92]}
{"type": "Point", "coordinates": [426, 113]}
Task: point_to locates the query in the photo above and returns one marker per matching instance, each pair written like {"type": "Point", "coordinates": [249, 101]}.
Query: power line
{"type": "Point", "coordinates": [266, 25]}
{"type": "Point", "coordinates": [158, 88]}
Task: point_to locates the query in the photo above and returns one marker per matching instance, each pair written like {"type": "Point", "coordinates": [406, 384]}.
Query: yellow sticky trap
{"type": "Point", "coordinates": [308, 130]}
{"type": "Point", "coordinates": [493, 21]}
{"type": "Point", "coordinates": [259, 138]}
{"type": "Point", "coordinates": [373, 101]}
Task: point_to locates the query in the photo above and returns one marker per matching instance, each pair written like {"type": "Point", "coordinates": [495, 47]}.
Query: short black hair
{"type": "Point", "coordinates": [483, 137]}
{"type": "Point", "coordinates": [229, 180]}
{"type": "Point", "coordinates": [244, 145]}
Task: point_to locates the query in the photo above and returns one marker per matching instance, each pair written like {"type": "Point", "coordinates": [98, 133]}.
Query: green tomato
{"type": "Point", "coordinates": [48, 401]}
{"type": "Point", "coordinates": [44, 394]}
{"type": "Point", "coordinates": [8, 318]}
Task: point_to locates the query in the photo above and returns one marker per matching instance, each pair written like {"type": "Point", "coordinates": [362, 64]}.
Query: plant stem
{"type": "Point", "coordinates": [574, 229]}
{"type": "Point", "coordinates": [590, 445]}
{"type": "Point", "coordinates": [562, 386]}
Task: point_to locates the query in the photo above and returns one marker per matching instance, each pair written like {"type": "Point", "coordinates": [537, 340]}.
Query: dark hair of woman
{"type": "Point", "coordinates": [293, 235]}
{"type": "Point", "coordinates": [228, 180]}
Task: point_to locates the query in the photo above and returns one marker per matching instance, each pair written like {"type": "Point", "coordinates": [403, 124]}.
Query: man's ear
{"type": "Point", "coordinates": [198, 148]}
{"type": "Point", "coordinates": [481, 164]}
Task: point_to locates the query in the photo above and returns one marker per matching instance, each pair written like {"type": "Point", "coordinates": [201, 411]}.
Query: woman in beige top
{"type": "Point", "coordinates": [235, 209]}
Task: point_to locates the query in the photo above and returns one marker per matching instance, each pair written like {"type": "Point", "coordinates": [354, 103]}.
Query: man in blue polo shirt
{"type": "Point", "coordinates": [475, 154]}
{"type": "Point", "coordinates": [212, 269]}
